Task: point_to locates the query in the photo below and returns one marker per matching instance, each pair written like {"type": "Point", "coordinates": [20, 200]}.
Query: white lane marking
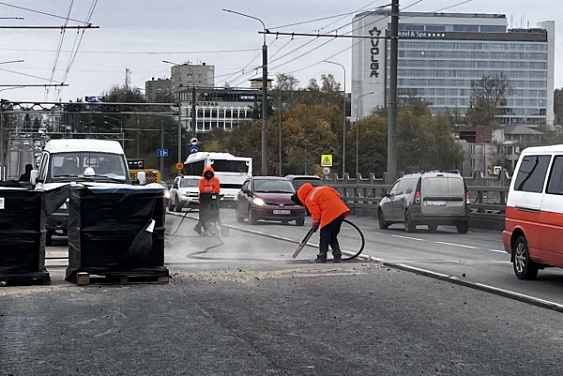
{"type": "Point", "coordinates": [479, 286]}
{"type": "Point", "coordinates": [497, 251]}
{"type": "Point", "coordinates": [457, 245]}
{"type": "Point", "coordinates": [409, 237]}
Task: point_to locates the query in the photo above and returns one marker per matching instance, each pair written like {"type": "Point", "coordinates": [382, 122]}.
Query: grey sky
{"type": "Point", "coordinates": [139, 34]}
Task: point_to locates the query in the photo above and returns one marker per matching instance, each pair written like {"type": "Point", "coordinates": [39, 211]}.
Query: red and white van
{"type": "Point", "coordinates": [533, 232]}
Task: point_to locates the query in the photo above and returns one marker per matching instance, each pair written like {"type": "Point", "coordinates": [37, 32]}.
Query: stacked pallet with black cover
{"type": "Point", "coordinates": [116, 234]}
{"type": "Point", "coordinates": [22, 237]}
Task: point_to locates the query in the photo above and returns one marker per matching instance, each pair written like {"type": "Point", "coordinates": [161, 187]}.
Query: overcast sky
{"type": "Point", "coordinates": [139, 34]}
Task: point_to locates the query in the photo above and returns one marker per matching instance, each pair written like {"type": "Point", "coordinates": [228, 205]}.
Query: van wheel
{"type": "Point", "coordinates": [524, 267]}
{"type": "Point", "coordinates": [463, 227]}
{"type": "Point", "coordinates": [410, 226]}
{"type": "Point", "coordinates": [381, 220]}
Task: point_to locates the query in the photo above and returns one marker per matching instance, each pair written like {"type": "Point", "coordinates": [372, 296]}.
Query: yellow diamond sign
{"type": "Point", "coordinates": [326, 160]}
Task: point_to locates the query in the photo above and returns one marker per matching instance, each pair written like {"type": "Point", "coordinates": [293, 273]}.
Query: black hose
{"type": "Point", "coordinates": [363, 242]}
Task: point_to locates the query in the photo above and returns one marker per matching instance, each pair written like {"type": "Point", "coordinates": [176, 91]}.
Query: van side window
{"type": "Point", "coordinates": [555, 183]}
{"type": "Point", "coordinates": [531, 175]}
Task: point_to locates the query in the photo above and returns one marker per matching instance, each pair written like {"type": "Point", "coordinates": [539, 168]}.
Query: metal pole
{"type": "Point", "coordinates": [392, 109]}
{"type": "Point", "coordinates": [194, 113]}
{"type": "Point", "coordinates": [161, 146]}
{"type": "Point", "coordinates": [357, 125]}
{"type": "Point", "coordinates": [180, 130]}
{"type": "Point", "coordinates": [357, 153]}
{"type": "Point", "coordinates": [343, 119]}
{"type": "Point", "coordinates": [280, 135]}
{"type": "Point", "coordinates": [137, 137]}
{"type": "Point", "coordinates": [264, 107]}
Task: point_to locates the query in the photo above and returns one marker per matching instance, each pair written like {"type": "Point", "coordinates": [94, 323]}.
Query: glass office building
{"type": "Point", "coordinates": [443, 55]}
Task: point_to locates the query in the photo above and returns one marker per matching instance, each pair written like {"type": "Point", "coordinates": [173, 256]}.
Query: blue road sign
{"type": "Point", "coordinates": [162, 152]}
{"type": "Point", "coordinates": [194, 149]}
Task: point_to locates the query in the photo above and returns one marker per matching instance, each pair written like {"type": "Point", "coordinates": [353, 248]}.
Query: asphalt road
{"type": "Point", "coordinates": [242, 306]}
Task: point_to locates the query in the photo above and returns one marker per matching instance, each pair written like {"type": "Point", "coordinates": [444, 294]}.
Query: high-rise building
{"type": "Point", "coordinates": [157, 89]}
{"type": "Point", "coordinates": [442, 56]}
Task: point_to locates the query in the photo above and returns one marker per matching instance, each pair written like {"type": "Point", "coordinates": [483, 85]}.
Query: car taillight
{"type": "Point", "coordinates": [467, 200]}
{"type": "Point", "coordinates": [416, 197]}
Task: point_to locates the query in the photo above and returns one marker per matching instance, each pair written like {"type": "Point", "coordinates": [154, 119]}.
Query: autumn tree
{"type": "Point", "coordinates": [487, 99]}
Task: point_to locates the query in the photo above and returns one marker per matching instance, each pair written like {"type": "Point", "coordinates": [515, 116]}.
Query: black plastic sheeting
{"type": "Point", "coordinates": [116, 230]}
{"type": "Point", "coordinates": [22, 234]}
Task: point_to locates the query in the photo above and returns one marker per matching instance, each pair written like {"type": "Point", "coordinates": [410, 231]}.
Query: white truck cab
{"type": "Point", "coordinates": [69, 160]}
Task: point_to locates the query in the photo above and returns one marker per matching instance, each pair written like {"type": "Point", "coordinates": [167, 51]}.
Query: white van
{"type": "Point", "coordinates": [534, 211]}
{"type": "Point", "coordinates": [66, 161]}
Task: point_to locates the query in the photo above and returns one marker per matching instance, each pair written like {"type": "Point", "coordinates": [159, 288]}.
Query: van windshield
{"type": "Point", "coordinates": [72, 166]}
{"type": "Point", "coordinates": [224, 165]}
{"type": "Point", "coordinates": [442, 185]}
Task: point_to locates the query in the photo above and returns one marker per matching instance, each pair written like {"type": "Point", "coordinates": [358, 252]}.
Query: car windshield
{"type": "Point", "coordinates": [273, 186]}
{"type": "Point", "coordinates": [73, 165]}
{"type": "Point", "coordinates": [186, 183]}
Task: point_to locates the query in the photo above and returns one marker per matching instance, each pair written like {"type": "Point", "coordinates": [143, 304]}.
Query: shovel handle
{"type": "Point", "coordinates": [304, 241]}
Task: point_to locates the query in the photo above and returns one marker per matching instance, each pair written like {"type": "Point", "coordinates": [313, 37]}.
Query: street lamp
{"type": "Point", "coordinates": [343, 119]}
{"type": "Point", "coordinates": [264, 93]}
{"type": "Point", "coordinates": [357, 126]}
{"type": "Point", "coordinates": [121, 129]}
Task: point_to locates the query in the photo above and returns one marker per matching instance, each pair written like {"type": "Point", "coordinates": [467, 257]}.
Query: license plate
{"type": "Point", "coordinates": [282, 212]}
{"type": "Point", "coordinates": [436, 203]}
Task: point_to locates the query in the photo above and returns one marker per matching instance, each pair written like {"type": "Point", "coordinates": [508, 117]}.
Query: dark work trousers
{"type": "Point", "coordinates": [329, 236]}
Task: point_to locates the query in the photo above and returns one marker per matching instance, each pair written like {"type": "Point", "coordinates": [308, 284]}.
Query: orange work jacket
{"type": "Point", "coordinates": [209, 185]}
{"type": "Point", "coordinates": [324, 203]}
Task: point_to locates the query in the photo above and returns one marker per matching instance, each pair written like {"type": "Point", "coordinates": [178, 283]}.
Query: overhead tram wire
{"type": "Point", "coordinates": [39, 12]}
{"type": "Point", "coordinates": [76, 46]}
{"type": "Point", "coordinates": [59, 47]}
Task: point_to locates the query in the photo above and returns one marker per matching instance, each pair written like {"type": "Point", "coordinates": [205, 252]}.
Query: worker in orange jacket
{"type": "Point", "coordinates": [208, 183]}
{"type": "Point", "coordinates": [327, 211]}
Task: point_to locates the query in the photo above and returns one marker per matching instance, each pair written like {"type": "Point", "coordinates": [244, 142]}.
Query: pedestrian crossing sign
{"type": "Point", "coordinates": [326, 160]}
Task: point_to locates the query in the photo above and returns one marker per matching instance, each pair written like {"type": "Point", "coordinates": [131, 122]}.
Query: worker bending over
{"type": "Point", "coordinates": [327, 211]}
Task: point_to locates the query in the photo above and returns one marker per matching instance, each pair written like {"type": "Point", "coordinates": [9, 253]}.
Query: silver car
{"type": "Point", "coordinates": [430, 198]}
{"type": "Point", "coordinates": [184, 193]}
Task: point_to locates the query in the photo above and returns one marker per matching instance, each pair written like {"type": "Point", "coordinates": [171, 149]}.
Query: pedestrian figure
{"type": "Point", "coordinates": [26, 177]}
{"type": "Point", "coordinates": [327, 213]}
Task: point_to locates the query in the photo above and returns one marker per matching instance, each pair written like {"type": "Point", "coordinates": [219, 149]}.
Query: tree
{"type": "Point", "coordinates": [487, 99]}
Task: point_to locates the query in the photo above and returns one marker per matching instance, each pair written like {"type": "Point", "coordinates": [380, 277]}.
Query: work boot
{"type": "Point", "coordinates": [337, 258]}
{"type": "Point", "coordinates": [321, 259]}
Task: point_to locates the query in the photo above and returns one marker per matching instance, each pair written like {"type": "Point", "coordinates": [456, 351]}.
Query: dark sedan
{"type": "Point", "coordinates": [268, 198]}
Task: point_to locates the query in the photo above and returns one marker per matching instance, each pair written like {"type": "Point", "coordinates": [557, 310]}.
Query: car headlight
{"type": "Point", "coordinates": [167, 194]}
{"type": "Point", "coordinates": [258, 201]}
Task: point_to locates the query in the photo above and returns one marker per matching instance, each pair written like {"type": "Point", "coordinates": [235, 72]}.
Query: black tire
{"type": "Point", "coordinates": [285, 222]}
{"type": "Point", "coordinates": [381, 220]}
{"type": "Point", "coordinates": [49, 238]}
{"type": "Point", "coordinates": [410, 226]}
{"type": "Point", "coordinates": [252, 217]}
{"type": "Point", "coordinates": [432, 228]}
{"type": "Point", "coordinates": [300, 222]}
{"type": "Point", "coordinates": [523, 266]}
{"type": "Point", "coordinates": [170, 206]}
{"type": "Point", "coordinates": [463, 227]}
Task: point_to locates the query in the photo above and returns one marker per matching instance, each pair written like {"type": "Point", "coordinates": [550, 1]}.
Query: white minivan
{"type": "Point", "coordinates": [534, 211]}
{"type": "Point", "coordinates": [69, 160]}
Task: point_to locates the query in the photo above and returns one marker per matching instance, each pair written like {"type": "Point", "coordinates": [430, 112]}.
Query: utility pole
{"type": "Point", "coordinates": [194, 113]}
{"type": "Point", "coordinates": [161, 145]}
{"type": "Point", "coordinates": [392, 103]}
{"type": "Point", "coordinates": [343, 119]}
{"type": "Point", "coordinates": [264, 91]}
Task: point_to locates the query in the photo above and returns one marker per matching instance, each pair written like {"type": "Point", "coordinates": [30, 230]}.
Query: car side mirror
{"type": "Point", "coordinates": [33, 177]}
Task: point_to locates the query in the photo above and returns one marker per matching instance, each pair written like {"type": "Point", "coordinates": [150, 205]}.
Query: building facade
{"type": "Point", "coordinates": [155, 88]}
{"type": "Point", "coordinates": [219, 108]}
{"type": "Point", "coordinates": [187, 75]}
{"type": "Point", "coordinates": [443, 55]}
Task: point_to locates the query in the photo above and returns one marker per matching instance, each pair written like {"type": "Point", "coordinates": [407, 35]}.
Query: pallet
{"type": "Point", "coordinates": [86, 279]}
